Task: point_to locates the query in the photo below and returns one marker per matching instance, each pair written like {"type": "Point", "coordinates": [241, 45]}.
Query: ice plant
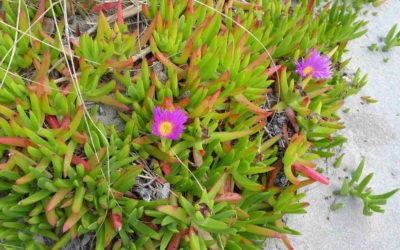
{"type": "Point", "coordinates": [116, 220]}
{"type": "Point", "coordinates": [355, 187]}
{"type": "Point", "coordinates": [52, 183]}
{"type": "Point", "coordinates": [168, 124]}
{"type": "Point", "coordinates": [316, 66]}
{"type": "Point", "coordinates": [311, 173]}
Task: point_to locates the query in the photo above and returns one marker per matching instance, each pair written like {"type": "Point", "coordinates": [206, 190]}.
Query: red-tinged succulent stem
{"type": "Point", "coordinates": [3, 166]}
{"type": "Point", "coordinates": [57, 198]}
{"type": "Point", "coordinates": [309, 172]}
{"type": "Point", "coordinates": [116, 221]}
{"type": "Point", "coordinates": [43, 67]}
{"type": "Point", "coordinates": [65, 71]}
{"type": "Point", "coordinates": [40, 89]}
{"type": "Point", "coordinates": [52, 121]}
{"type": "Point", "coordinates": [78, 137]}
{"type": "Point", "coordinates": [148, 221]}
{"type": "Point", "coordinates": [183, 103]}
{"type": "Point", "coordinates": [233, 197]}
{"type": "Point", "coordinates": [49, 38]}
{"type": "Point", "coordinates": [166, 168]}
{"type": "Point", "coordinates": [52, 217]}
{"type": "Point", "coordinates": [67, 203]}
{"type": "Point", "coordinates": [25, 179]}
{"type": "Point", "coordinates": [190, 7]}
{"type": "Point", "coordinates": [104, 6]}
{"type": "Point", "coordinates": [15, 141]}
{"type": "Point", "coordinates": [166, 62]}
{"type": "Point", "coordinates": [73, 219]}
{"type": "Point", "coordinates": [144, 38]}
{"type": "Point", "coordinates": [263, 231]}
{"type": "Point", "coordinates": [206, 105]}
{"type": "Point", "coordinates": [287, 243]}
{"type": "Point", "coordinates": [175, 241]}
{"type": "Point", "coordinates": [146, 11]}
{"type": "Point", "coordinates": [119, 64]}
{"type": "Point", "coordinates": [240, 98]}
{"type": "Point", "coordinates": [66, 121]}
{"type": "Point", "coordinates": [228, 185]}
{"type": "Point", "coordinates": [6, 111]}
{"type": "Point", "coordinates": [39, 12]}
{"type": "Point", "coordinates": [95, 160]}
{"type": "Point", "coordinates": [73, 232]}
{"type": "Point", "coordinates": [292, 118]}
{"type": "Point", "coordinates": [78, 160]}
{"type": "Point", "coordinates": [120, 13]}
{"type": "Point", "coordinates": [306, 101]}
{"type": "Point", "coordinates": [66, 89]}
{"type": "Point", "coordinates": [142, 140]}
{"type": "Point", "coordinates": [237, 20]}
{"type": "Point", "coordinates": [169, 104]}
{"type": "Point", "coordinates": [310, 5]}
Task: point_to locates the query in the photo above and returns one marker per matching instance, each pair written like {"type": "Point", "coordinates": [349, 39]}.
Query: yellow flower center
{"type": "Point", "coordinates": [165, 128]}
{"type": "Point", "coordinates": [307, 70]}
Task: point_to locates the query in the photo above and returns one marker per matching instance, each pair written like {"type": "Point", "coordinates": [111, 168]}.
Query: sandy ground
{"type": "Point", "coordinates": [371, 130]}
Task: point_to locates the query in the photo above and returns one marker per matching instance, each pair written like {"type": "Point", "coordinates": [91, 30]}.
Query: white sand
{"type": "Point", "coordinates": [372, 131]}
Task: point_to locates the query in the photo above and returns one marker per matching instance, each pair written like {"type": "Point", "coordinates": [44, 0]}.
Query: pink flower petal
{"type": "Point", "coordinates": [316, 66]}
{"type": "Point", "coordinates": [175, 118]}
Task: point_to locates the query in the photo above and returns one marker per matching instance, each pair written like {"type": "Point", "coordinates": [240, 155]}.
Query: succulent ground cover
{"type": "Point", "coordinates": [218, 110]}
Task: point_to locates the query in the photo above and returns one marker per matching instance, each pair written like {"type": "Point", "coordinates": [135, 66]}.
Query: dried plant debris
{"type": "Point", "coordinates": [166, 124]}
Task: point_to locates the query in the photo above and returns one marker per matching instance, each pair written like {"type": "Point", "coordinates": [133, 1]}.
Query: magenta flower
{"type": "Point", "coordinates": [317, 66]}
{"type": "Point", "coordinates": [168, 124]}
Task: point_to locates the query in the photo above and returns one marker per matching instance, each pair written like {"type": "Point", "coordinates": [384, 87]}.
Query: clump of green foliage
{"type": "Point", "coordinates": [254, 125]}
{"type": "Point", "coordinates": [372, 202]}
{"type": "Point", "coordinates": [392, 39]}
